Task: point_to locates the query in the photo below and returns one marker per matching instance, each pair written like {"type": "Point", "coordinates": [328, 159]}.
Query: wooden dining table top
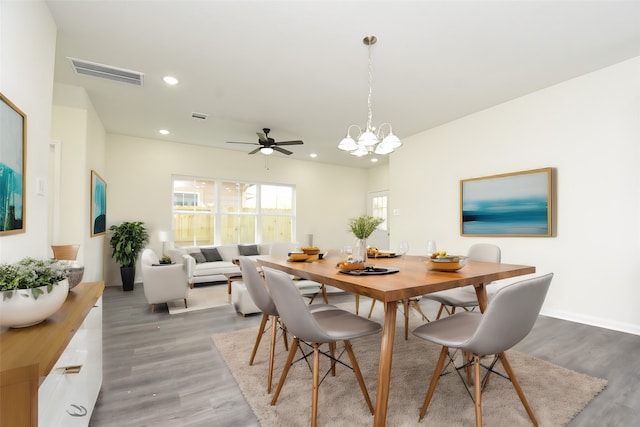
{"type": "Point", "coordinates": [413, 278]}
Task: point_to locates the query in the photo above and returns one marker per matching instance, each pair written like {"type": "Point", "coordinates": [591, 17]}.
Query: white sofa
{"type": "Point", "coordinates": [203, 271]}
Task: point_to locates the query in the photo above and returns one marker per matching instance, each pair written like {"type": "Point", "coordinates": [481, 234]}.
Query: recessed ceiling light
{"type": "Point", "coordinates": [374, 160]}
{"type": "Point", "coordinates": [314, 155]}
{"type": "Point", "coordinates": [170, 80]}
{"type": "Point", "coordinates": [164, 132]}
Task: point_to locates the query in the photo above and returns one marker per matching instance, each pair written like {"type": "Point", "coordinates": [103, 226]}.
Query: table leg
{"type": "Point", "coordinates": [481, 294]}
{"type": "Point", "coordinates": [384, 368]}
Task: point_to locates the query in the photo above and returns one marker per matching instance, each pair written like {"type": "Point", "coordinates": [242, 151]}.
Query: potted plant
{"type": "Point", "coordinates": [362, 227]}
{"type": "Point", "coordinates": [32, 290]}
{"type": "Point", "coordinates": [127, 241]}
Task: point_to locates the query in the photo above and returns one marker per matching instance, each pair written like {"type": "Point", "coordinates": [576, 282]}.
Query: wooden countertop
{"type": "Point", "coordinates": [41, 345]}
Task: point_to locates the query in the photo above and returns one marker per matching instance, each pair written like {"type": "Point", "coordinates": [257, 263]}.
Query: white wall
{"type": "Point", "coordinates": [27, 47]}
{"type": "Point", "coordinates": [139, 175]}
{"type": "Point", "coordinates": [588, 129]}
{"type": "Point", "coordinates": [81, 136]}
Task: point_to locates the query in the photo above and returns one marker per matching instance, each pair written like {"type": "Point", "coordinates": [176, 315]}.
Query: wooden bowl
{"type": "Point", "coordinates": [310, 250]}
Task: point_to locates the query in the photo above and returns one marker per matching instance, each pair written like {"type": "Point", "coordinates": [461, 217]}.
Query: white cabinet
{"type": "Point", "coordinates": [67, 398]}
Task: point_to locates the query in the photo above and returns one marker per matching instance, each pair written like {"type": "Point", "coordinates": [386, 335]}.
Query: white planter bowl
{"type": "Point", "coordinates": [18, 308]}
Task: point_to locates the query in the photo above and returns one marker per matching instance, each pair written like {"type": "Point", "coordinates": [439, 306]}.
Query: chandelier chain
{"type": "Point", "coordinates": [370, 116]}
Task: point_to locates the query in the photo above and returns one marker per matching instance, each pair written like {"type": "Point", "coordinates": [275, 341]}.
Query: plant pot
{"type": "Point", "coordinates": [19, 308]}
{"type": "Point", "coordinates": [128, 275]}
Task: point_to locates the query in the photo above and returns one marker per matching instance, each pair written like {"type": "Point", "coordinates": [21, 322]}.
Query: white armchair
{"type": "Point", "coordinates": [163, 283]}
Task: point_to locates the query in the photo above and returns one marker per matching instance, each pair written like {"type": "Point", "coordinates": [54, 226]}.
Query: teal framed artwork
{"type": "Point", "coordinates": [13, 127]}
{"type": "Point", "coordinates": [98, 205]}
{"type": "Point", "coordinates": [517, 204]}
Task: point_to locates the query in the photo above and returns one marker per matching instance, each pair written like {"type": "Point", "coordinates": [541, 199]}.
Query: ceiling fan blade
{"type": "Point", "coordinates": [297, 142]}
{"type": "Point", "coordinates": [281, 150]}
{"type": "Point", "coordinates": [255, 151]}
{"type": "Point", "coordinates": [262, 137]}
{"type": "Point", "coordinates": [248, 143]}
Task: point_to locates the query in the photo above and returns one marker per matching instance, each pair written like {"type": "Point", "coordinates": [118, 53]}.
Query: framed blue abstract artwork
{"type": "Point", "coordinates": [13, 126]}
{"type": "Point", "coordinates": [511, 204]}
{"type": "Point", "coordinates": [98, 205]}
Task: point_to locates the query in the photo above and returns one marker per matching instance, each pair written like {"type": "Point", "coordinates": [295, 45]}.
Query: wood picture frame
{"type": "Point", "coordinates": [517, 204]}
{"type": "Point", "coordinates": [13, 165]}
{"type": "Point", "coordinates": [98, 205]}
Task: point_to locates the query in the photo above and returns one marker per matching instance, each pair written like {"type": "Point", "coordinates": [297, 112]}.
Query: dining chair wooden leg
{"type": "Point", "coordinates": [405, 304]}
{"type": "Point", "coordinates": [263, 324]}
{"type": "Point", "coordinates": [434, 381]}
{"type": "Point", "coordinates": [516, 385]}
{"type": "Point", "coordinates": [284, 334]}
{"type": "Point", "coordinates": [272, 350]}
{"type": "Point", "coordinates": [185, 303]}
{"type": "Point", "coordinates": [356, 370]}
{"type": "Point", "coordinates": [323, 289]}
{"type": "Point", "coordinates": [416, 305]}
{"type": "Point", "coordinates": [477, 390]}
{"type": "Point", "coordinates": [440, 311]}
{"type": "Point", "coordinates": [373, 303]}
{"type": "Point", "coordinates": [285, 371]}
{"type": "Point", "coordinates": [316, 385]}
{"type": "Point", "coordinates": [332, 352]}
{"type": "Point", "coordinates": [357, 304]}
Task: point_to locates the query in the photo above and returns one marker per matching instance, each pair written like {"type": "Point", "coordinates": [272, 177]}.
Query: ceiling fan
{"type": "Point", "coordinates": [269, 145]}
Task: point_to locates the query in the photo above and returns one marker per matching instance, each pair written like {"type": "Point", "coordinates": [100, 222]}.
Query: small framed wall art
{"type": "Point", "coordinates": [13, 163]}
{"type": "Point", "coordinates": [511, 204]}
{"type": "Point", "coordinates": [98, 205]}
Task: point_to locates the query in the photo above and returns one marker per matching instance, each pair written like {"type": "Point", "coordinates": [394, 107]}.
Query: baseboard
{"type": "Point", "coordinates": [593, 321]}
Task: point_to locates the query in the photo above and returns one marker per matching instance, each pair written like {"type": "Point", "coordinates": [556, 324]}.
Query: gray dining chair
{"type": "Point", "coordinates": [465, 297]}
{"type": "Point", "coordinates": [508, 319]}
{"type": "Point", "coordinates": [262, 299]}
{"type": "Point", "coordinates": [315, 328]}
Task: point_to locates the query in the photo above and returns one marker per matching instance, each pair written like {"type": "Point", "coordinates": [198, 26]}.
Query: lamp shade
{"type": "Point", "coordinates": [266, 150]}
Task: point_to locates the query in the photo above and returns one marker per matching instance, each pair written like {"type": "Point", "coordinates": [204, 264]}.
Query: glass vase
{"type": "Point", "coordinates": [360, 250]}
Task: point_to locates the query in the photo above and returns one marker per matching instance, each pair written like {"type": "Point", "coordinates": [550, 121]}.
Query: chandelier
{"type": "Point", "coordinates": [371, 140]}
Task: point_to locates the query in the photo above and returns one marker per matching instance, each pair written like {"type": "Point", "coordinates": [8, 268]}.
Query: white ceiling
{"type": "Point", "coordinates": [300, 67]}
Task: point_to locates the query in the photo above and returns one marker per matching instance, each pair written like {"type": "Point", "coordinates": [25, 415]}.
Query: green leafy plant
{"type": "Point", "coordinates": [127, 241]}
{"type": "Point", "coordinates": [166, 259]}
{"type": "Point", "coordinates": [364, 225]}
{"type": "Point", "coordinates": [30, 273]}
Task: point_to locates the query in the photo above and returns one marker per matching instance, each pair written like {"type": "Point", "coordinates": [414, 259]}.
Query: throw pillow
{"type": "Point", "coordinates": [248, 250]}
{"type": "Point", "coordinates": [198, 257]}
{"type": "Point", "coordinates": [211, 254]}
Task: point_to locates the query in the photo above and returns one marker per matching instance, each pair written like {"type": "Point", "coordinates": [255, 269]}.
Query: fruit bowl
{"type": "Point", "coordinates": [310, 250]}
{"type": "Point", "coordinates": [446, 263]}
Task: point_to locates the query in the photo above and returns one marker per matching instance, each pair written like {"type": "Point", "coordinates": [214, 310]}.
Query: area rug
{"type": "Point", "coordinates": [201, 298]}
{"type": "Point", "coordinates": [555, 394]}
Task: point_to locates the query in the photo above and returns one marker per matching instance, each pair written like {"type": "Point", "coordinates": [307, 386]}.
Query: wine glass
{"type": "Point", "coordinates": [403, 248]}
{"type": "Point", "coordinates": [431, 247]}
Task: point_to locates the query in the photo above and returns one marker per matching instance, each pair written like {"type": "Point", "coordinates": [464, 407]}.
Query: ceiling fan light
{"type": "Point", "coordinates": [368, 139]}
{"type": "Point", "coordinates": [266, 150]}
{"type": "Point", "coordinates": [347, 144]}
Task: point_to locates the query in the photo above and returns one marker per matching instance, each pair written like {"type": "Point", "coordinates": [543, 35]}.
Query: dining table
{"type": "Point", "coordinates": [412, 279]}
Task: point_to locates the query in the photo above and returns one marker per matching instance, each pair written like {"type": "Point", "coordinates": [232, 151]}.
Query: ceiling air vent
{"type": "Point", "coordinates": [107, 72]}
{"type": "Point", "coordinates": [199, 116]}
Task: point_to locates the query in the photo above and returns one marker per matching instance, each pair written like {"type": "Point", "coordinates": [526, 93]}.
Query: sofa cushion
{"type": "Point", "coordinates": [248, 250]}
{"type": "Point", "coordinates": [211, 254]}
{"type": "Point", "coordinates": [198, 256]}
{"type": "Point", "coordinates": [215, 268]}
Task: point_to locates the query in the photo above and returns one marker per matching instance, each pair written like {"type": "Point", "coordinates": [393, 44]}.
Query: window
{"type": "Point", "coordinates": [379, 210]}
{"type": "Point", "coordinates": [207, 211]}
